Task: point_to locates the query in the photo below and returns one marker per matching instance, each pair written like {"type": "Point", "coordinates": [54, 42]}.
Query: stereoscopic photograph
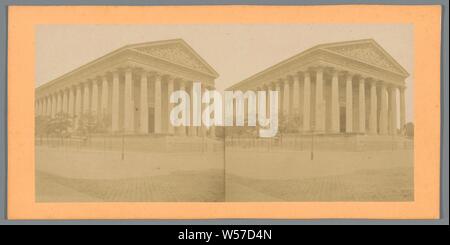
{"type": "Point", "coordinates": [224, 113]}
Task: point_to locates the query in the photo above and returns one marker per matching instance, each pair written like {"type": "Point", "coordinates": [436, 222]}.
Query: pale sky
{"type": "Point", "coordinates": [234, 51]}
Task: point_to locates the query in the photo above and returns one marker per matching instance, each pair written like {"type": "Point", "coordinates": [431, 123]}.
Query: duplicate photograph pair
{"type": "Point", "coordinates": [356, 123]}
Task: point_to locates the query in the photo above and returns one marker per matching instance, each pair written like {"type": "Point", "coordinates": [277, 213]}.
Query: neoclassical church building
{"type": "Point", "coordinates": [338, 88]}
{"type": "Point", "coordinates": [131, 87]}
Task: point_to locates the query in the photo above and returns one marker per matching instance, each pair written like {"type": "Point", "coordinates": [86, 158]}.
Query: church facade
{"type": "Point", "coordinates": [352, 87]}
{"type": "Point", "coordinates": [130, 88]}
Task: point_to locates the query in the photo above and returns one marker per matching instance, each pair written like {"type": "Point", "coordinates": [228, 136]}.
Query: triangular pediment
{"type": "Point", "coordinates": [367, 51]}
{"type": "Point", "coordinates": [177, 52]}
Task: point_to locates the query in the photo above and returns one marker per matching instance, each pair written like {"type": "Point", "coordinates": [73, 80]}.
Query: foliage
{"type": "Point", "coordinates": [89, 123]}
{"type": "Point", "coordinates": [58, 126]}
{"type": "Point", "coordinates": [290, 124]}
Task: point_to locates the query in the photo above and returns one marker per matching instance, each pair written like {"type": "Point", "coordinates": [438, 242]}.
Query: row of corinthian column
{"type": "Point", "coordinates": [123, 97]}
{"type": "Point", "coordinates": [380, 112]}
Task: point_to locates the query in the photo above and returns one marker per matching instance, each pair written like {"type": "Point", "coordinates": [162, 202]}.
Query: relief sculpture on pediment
{"type": "Point", "coordinates": [175, 54]}
{"type": "Point", "coordinates": [366, 53]}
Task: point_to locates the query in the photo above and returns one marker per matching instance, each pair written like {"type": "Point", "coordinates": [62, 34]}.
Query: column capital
{"type": "Point", "coordinates": [318, 68]}
{"type": "Point", "coordinates": [393, 87]}
{"type": "Point", "coordinates": [288, 79]}
{"type": "Point", "coordinates": [182, 82]}
{"type": "Point", "coordinates": [335, 71]}
{"type": "Point", "coordinates": [97, 80]}
{"type": "Point", "coordinates": [347, 74]}
{"type": "Point", "coordinates": [169, 77]}
{"type": "Point", "coordinates": [128, 68]}
{"type": "Point", "coordinates": [278, 82]}
{"type": "Point", "coordinates": [189, 82]}
{"type": "Point", "coordinates": [156, 74]}
{"type": "Point", "coordinates": [140, 71]}
{"type": "Point", "coordinates": [115, 71]}
{"type": "Point", "coordinates": [275, 84]}
{"type": "Point", "coordinates": [307, 73]}
{"type": "Point", "coordinates": [88, 81]}
{"type": "Point", "coordinates": [361, 77]}
{"type": "Point", "coordinates": [372, 82]}
{"type": "Point", "coordinates": [381, 83]}
{"type": "Point", "coordinates": [105, 75]}
{"type": "Point", "coordinates": [296, 76]}
{"type": "Point", "coordinates": [368, 79]}
{"type": "Point", "coordinates": [267, 85]}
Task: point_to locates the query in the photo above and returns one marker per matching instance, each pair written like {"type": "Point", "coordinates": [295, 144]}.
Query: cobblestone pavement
{"type": "Point", "coordinates": [395, 184]}
{"type": "Point", "coordinates": [194, 186]}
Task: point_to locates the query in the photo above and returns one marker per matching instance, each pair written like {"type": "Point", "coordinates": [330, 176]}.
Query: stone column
{"type": "Point", "coordinates": [393, 110]}
{"type": "Point", "coordinates": [362, 105]}
{"type": "Point", "coordinates": [192, 130]}
{"type": "Point", "coordinates": [286, 98]}
{"type": "Point", "coordinates": [335, 124]}
{"type": "Point", "coordinates": [78, 101]}
{"type": "Point", "coordinates": [277, 87]}
{"type": "Point", "coordinates": [36, 107]}
{"type": "Point", "coordinates": [203, 128]}
{"type": "Point", "coordinates": [105, 96]}
{"type": "Point", "coordinates": [65, 101]}
{"type": "Point", "coordinates": [373, 122]}
{"type": "Point", "coordinates": [349, 104]}
{"type": "Point", "coordinates": [307, 102]}
{"type": "Point", "coordinates": [170, 88]}
{"type": "Point", "coordinates": [94, 101]}
{"type": "Point", "coordinates": [129, 102]}
{"type": "Point", "coordinates": [86, 98]}
{"type": "Point", "coordinates": [212, 129]}
{"type": "Point", "coordinates": [383, 110]}
{"type": "Point", "coordinates": [157, 104]}
{"type": "Point", "coordinates": [144, 104]}
{"type": "Point", "coordinates": [44, 106]}
{"type": "Point", "coordinates": [115, 102]}
{"type": "Point", "coordinates": [181, 130]}
{"type": "Point", "coordinates": [268, 100]}
{"type": "Point", "coordinates": [54, 104]}
{"type": "Point", "coordinates": [42, 110]}
{"type": "Point", "coordinates": [48, 108]}
{"type": "Point", "coordinates": [49, 105]}
{"type": "Point", "coordinates": [59, 102]}
{"type": "Point", "coordinates": [320, 103]}
{"type": "Point", "coordinates": [71, 102]}
{"type": "Point", "coordinates": [402, 107]}
{"type": "Point", "coordinates": [296, 97]}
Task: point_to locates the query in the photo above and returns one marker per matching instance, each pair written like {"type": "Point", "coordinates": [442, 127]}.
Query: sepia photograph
{"type": "Point", "coordinates": [252, 113]}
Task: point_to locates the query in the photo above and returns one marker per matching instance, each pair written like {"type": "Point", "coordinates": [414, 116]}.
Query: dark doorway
{"type": "Point", "coordinates": [151, 120]}
{"type": "Point", "coordinates": [342, 118]}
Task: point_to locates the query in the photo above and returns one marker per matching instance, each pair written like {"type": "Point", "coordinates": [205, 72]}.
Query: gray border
{"type": "Point", "coordinates": [444, 110]}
